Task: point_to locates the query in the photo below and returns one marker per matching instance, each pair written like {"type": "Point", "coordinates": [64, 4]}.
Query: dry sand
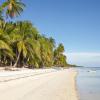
{"type": "Point", "coordinates": [56, 85]}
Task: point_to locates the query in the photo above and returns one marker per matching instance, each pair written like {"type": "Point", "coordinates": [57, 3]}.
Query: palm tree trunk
{"type": "Point", "coordinates": [17, 60]}
{"type": "Point", "coordinates": [11, 63]}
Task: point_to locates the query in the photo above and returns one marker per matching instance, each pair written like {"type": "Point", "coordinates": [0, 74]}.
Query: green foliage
{"type": "Point", "coordinates": [59, 57]}
{"type": "Point", "coordinates": [22, 45]}
{"type": "Point", "coordinates": [12, 8]}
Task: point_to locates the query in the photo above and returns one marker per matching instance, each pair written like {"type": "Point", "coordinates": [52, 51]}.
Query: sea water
{"type": "Point", "coordinates": [88, 83]}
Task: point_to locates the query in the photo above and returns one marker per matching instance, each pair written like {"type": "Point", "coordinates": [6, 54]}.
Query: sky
{"type": "Point", "coordinates": [75, 23]}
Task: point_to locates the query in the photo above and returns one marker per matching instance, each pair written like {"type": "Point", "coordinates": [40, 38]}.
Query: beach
{"type": "Point", "coordinates": [45, 84]}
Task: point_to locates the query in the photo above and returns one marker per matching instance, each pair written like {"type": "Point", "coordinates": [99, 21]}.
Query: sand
{"type": "Point", "coordinates": [53, 85]}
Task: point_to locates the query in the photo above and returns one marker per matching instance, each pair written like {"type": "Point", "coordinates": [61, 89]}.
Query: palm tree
{"type": "Point", "coordinates": [13, 7]}
{"type": "Point", "coordinates": [59, 57]}
{"type": "Point", "coordinates": [51, 46]}
{"type": "Point", "coordinates": [60, 48]}
{"type": "Point", "coordinates": [5, 48]}
{"type": "Point", "coordinates": [46, 51]}
{"type": "Point", "coordinates": [4, 37]}
{"type": "Point", "coordinates": [23, 39]}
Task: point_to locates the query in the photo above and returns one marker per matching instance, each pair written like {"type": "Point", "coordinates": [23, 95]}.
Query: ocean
{"type": "Point", "coordinates": [88, 83]}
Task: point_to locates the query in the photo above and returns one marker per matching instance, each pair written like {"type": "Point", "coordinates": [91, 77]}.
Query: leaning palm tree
{"type": "Point", "coordinates": [13, 7]}
{"type": "Point", "coordinates": [5, 48]}
{"type": "Point", "coordinates": [46, 51]}
{"type": "Point", "coordinates": [23, 40]}
{"type": "Point", "coordinates": [4, 37]}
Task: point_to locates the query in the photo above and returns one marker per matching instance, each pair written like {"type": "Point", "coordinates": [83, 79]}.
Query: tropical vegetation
{"type": "Point", "coordinates": [21, 44]}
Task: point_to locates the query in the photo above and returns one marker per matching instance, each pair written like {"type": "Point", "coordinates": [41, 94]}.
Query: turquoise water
{"type": "Point", "coordinates": [88, 82]}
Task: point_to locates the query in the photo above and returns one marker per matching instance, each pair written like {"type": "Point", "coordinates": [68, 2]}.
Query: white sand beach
{"type": "Point", "coordinates": [50, 84]}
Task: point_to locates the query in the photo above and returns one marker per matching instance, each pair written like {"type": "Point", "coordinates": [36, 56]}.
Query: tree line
{"type": "Point", "coordinates": [21, 44]}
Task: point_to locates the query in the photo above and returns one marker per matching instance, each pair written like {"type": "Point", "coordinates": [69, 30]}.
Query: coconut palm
{"type": "Point", "coordinates": [51, 46]}
{"type": "Point", "coordinates": [13, 7]}
{"type": "Point", "coordinates": [46, 51]}
{"type": "Point", "coordinates": [59, 57]}
{"type": "Point", "coordinates": [4, 37]}
{"type": "Point", "coordinates": [5, 48]}
{"type": "Point", "coordinates": [24, 40]}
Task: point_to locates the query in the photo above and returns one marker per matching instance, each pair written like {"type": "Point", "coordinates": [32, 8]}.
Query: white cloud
{"type": "Point", "coordinates": [84, 59]}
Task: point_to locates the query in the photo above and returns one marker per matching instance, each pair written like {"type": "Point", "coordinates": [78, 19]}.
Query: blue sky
{"type": "Point", "coordinates": [75, 23]}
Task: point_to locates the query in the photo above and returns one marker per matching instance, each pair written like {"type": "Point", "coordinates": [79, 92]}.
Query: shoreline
{"type": "Point", "coordinates": [74, 85]}
{"type": "Point", "coordinates": [56, 85]}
